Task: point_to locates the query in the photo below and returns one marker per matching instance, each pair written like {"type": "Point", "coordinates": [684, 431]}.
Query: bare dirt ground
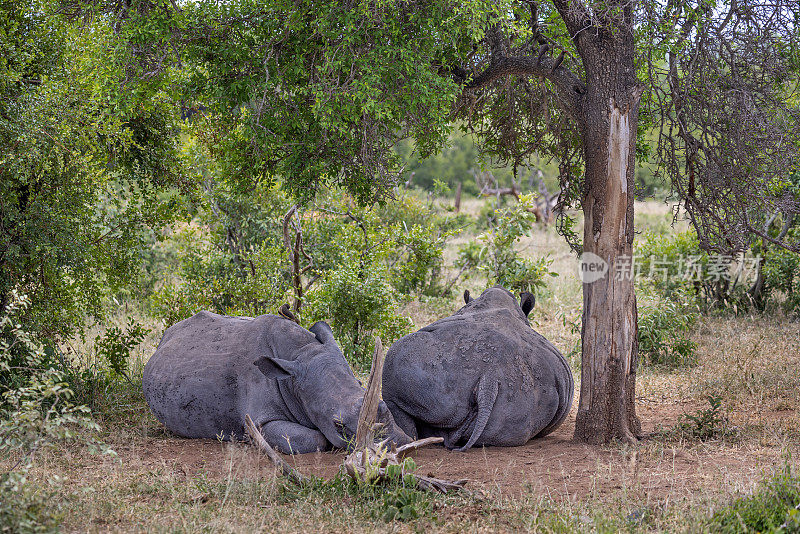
{"type": "Point", "coordinates": [159, 482]}
{"type": "Point", "coordinates": [554, 467]}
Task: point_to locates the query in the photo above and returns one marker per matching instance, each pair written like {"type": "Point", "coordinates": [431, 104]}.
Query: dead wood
{"type": "Point", "coordinates": [258, 440]}
{"type": "Point", "coordinates": [369, 460]}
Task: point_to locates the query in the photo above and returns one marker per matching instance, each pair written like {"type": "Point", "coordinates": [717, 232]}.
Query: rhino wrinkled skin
{"type": "Point", "coordinates": [210, 370]}
{"type": "Point", "coordinates": [482, 376]}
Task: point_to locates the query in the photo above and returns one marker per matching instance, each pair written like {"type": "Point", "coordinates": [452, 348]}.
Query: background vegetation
{"type": "Point", "coordinates": [125, 209]}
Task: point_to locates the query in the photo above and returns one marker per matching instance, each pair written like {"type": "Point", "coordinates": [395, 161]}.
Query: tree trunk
{"type": "Point", "coordinates": [606, 410]}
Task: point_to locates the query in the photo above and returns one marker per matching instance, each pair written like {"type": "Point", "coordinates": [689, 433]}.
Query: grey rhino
{"type": "Point", "coordinates": [482, 376]}
{"type": "Point", "coordinates": [210, 370]}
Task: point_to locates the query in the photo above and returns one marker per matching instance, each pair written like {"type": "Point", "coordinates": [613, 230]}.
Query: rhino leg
{"type": "Point", "coordinates": [292, 438]}
{"type": "Point", "coordinates": [403, 420]}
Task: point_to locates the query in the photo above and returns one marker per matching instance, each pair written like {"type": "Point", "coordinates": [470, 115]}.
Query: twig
{"type": "Point", "coordinates": [258, 440]}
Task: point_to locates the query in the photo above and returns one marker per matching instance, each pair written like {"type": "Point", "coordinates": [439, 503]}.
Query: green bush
{"type": "Point", "coordinates": [24, 510]}
{"type": "Point", "coordinates": [207, 278]}
{"type": "Point", "coordinates": [664, 328]}
{"type": "Point", "coordinates": [499, 261]}
{"type": "Point", "coordinates": [782, 275]}
{"type": "Point", "coordinates": [22, 360]}
{"type": "Point", "coordinates": [359, 303]}
{"type": "Point", "coordinates": [37, 412]}
{"type": "Point", "coordinates": [772, 508]}
{"type": "Point", "coordinates": [676, 267]}
{"type": "Point", "coordinates": [116, 344]}
{"type": "Point", "coordinates": [232, 257]}
{"type": "Point", "coordinates": [419, 235]}
{"type": "Point", "coordinates": [662, 261]}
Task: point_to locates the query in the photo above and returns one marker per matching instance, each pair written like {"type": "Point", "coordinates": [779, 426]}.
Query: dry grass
{"type": "Point", "coordinates": [661, 485]}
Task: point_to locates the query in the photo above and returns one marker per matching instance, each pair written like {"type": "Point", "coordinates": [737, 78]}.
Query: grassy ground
{"type": "Point", "coordinates": [670, 482]}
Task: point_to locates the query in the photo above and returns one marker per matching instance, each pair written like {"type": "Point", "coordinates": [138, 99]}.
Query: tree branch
{"type": "Point", "coordinates": [569, 87]}
{"type": "Point", "coordinates": [575, 15]}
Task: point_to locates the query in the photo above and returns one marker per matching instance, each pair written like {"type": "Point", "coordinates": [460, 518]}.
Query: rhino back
{"type": "Point", "coordinates": [202, 378]}
{"type": "Point", "coordinates": [432, 374]}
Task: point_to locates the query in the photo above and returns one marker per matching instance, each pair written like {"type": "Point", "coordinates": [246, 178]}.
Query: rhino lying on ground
{"type": "Point", "coordinates": [210, 370]}
{"type": "Point", "coordinates": [482, 376]}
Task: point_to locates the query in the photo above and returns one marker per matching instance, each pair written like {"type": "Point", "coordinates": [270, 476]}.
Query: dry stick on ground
{"type": "Point", "coordinates": [369, 460]}
{"type": "Point", "coordinates": [258, 440]}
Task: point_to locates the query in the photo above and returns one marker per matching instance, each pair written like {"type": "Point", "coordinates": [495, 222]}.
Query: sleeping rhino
{"type": "Point", "coordinates": [210, 370]}
{"type": "Point", "coordinates": [482, 376]}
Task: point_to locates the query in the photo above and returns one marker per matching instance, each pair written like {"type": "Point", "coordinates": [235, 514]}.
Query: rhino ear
{"type": "Point", "coordinates": [527, 302]}
{"type": "Point", "coordinates": [276, 367]}
{"type": "Point", "coordinates": [467, 298]}
{"type": "Point", "coordinates": [322, 331]}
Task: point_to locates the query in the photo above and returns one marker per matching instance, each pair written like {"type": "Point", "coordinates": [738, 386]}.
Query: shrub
{"type": "Point", "coordinates": [675, 266]}
{"type": "Point", "coordinates": [501, 263]}
{"type": "Point", "coordinates": [358, 302]}
{"type": "Point", "coordinates": [24, 510]}
{"type": "Point", "coordinates": [36, 412]}
{"type": "Point", "coordinates": [664, 327]}
{"type": "Point", "coordinates": [782, 275]}
{"type": "Point", "coordinates": [772, 508]}
{"type": "Point", "coordinates": [116, 344]}
{"type": "Point", "coordinates": [704, 425]}
{"type": "Point", "coordinates": [357, 263]}
{"type": "Point", "coordinates": [207, 278]}
{"type": "Point", "coordinates": [235, 261]}
{"type": "Point", "coordinates": [662, 262]}
{"type": "Point", "coordinates": [21, 359]}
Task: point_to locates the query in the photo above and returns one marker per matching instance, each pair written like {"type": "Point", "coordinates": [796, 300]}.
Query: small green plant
{"type": "Point", "coordinates": [115, 345]}
{"type": "Point", "coordinates": [469, 256]}
{"type": "Point", "coordinates": [404, 504]}
{"type": "Point", "coordinates": [664, 327]}
{"type": "Point", "coordinates": [391, 498]}
{"type": "Point", "coordinates": [704, 425]}
{"type": "Point", "coordinates": [501, 263]}
{"type": "Point", "coordinates": [772, 508]}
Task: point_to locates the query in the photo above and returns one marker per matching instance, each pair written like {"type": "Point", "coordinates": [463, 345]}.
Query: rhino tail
{"type": "Point", "coordinates": [487, 395]}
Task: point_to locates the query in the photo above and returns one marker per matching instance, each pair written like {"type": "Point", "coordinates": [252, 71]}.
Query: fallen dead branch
{"type": "Point", "coordinates": [258, 440]}
{"type": "Point", "coordinates": [544, 210]}
{"type": "Point", "coordinates": [370, 461]}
